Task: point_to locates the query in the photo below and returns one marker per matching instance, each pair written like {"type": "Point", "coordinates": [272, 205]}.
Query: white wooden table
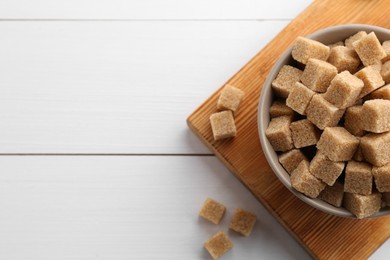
{"type": "Point", "coordinates": [96, 159]}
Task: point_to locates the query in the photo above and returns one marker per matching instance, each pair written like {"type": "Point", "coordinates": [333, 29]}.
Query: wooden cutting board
{"type": "Point", "coordinates": [323, 235]}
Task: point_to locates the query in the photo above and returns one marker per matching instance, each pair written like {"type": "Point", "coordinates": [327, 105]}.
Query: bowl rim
{"type": "Point", "coordinates": [263, 118]}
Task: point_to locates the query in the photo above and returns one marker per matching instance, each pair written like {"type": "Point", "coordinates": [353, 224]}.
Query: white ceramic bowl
{"type": "Point", "coordinates": [327, 36]}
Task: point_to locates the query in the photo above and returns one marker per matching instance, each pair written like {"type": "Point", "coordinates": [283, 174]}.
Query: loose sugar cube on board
{"type": "Point", "coordinates": [344, 58]}
{"type": "Point", "coordinates": [305, 49]}
{"type": "Point", "coordinates": [353, 120]}
{"type": "Point", "coordinates": [376, 115]}
{"type": "Point", "coordinates": [243, 222]}
{"type": "Point", "coordinates": [350, 40]}
{"type": "Point", "coordinates": [339, 43]}
{"type": "Point", "coordinates": [318, 74]}
{"type": "Point", "coordinates": [386, 198]}
{"type": "Point", "coordinates": [279, 134]}
{"type": "Point", "coordinates": [381, 93]}
{"type": "Point", "coordinates": [344, 90]}
{"type": "Point", "coordinates": [230, 98]}
{"type": "Point", "coordinates": [290, 160]}
{"type": "Point", "coordinates": [279, 108]}
{"type": "Point", "coordinates": [362, 206]}
{"type": "Point", "coordinates": [223, 125]}
{"type": "Point", "coordinates": [382, 177]}
{"type": "Point", "coordinates": [285, 80]}
{"type": "Point", "coordinates": [303, 181]}
{"type": "Point", "coordinates": [358, 156]}
{"type": "Point", "coordinates": [299, 98]}
{"type": "Point", "coordinates": [304, 133]}
{"type": "Point", "coordinates": [376, 148]}
{"type": "Point", "coordinates": [372, 80]}
{"type": "Point", "coordinates": [333, 194]}
{"type": "Point", "coordinates": [323, 113]}
{"type": "Point", "coordinates": [337, 144]}
{"type": "Point", "coordinates": [386, 48]}
{"type": "Point", "coordinates": [358, 178]}
{"type": "Point", "coordinates": [325, 169]}
{"type": "Point", "coordinates": [212, 211]}
{"type": "Point", "coordinates": [385, 72]}
{"type": "Point", "coordinates": [369, 49]}
{"type": "Point", "coordinates": [218, 245]}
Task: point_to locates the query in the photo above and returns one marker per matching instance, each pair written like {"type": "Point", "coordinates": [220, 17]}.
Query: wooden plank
{"type": "Point", "coordinates": [324, 236]}
{"type": "Point", "coordinates": [151, 9]}
{"type": "Point", "coordinates": [114, 87]}
{"type": "Point", "coordinates": [112, 207]}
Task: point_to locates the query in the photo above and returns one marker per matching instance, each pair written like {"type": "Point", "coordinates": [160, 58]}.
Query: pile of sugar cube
{"type": "Point", "coordinates": [330, 121]}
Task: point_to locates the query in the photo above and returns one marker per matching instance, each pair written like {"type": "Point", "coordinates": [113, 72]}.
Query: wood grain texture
{"type": "Point", "coordinates": [324, 236]}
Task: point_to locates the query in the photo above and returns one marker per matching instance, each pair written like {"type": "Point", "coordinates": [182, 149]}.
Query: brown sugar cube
{"type": "Point", "coordinates": [304, 49]}
{"type": "Point", "coordinates": [369, 49]}
{"type": "Point", "coordinates": [304, 133]}
{"type": "Point", "coordinates": [344, 58]}
{"type": "Point", "coordinates": [285, 80]}
{"type": "Point", "coordinates": [243, 222]}
{"type": "Point", "coordinates": [212, 211]}
{"type": "Point", "coordinates": [279, 134]}
{"type": "Point", "coordinates": [339, 43]}
{"type": "Point", "coordinates": [358, 178]}
{"type": "Point", "coordinates": [325, 169]}
{"type": "Point", "coordinates": [385, 72]}
{"type": "Point", "coordinates": [322, 113]}
{"type": "Point", "coordinates": [318, 74]}
{"type": "Point", "coordinates": [290, 160]}
{"type": "Point", "coordinates": [344, 90]}
{"type": "Point", "coordinates": [372, 80]}
{"type": "Point", "coordinates": [230, 98]}
{"type": "Point", "coordinates": [337, 144]}
{"type": "Point", "coordinates": [381, 93]}
{"type": "Point", "coordinates": [218, 245]}
{"type": "Point", "coordinates": [279, 108]}
{"type": "Point", "coordinates": [376, 148]}
{"type": "Point", "coordinates": [222, 125]}
{"type": "Point", "coordinates": [382, 177]}
{"type": "Point", "coordinates": [333, 194]}
{"type": "Point", "coordinates": [358, 156]}
{"type": "Point", "coordinates": [376, 115]}
{"type": "Point", "coordinates": [299, 98]}
{"type": "Point", "coordinates": [386, 198]}
{"type": "Point", "coordinates": [362, 206]}
{"type": "Point", "coordinates": [303, 181]}
{"type": "Point", "coordinates": [386, 47]}
{"type": "Point", "coordinates": [349, 41]}
{"type": "Point", "coordinates": [353, 120]}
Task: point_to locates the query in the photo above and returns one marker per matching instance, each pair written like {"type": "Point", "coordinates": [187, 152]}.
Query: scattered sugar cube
{"type": "Point", "coordinates": [299, 98]}
{"type": "Point", "coordinates": [349, 41]}
{"type": "Point", "coordinates": [376, 115]}
{"type": "Point", "coordinates": [303, 181]}
{"type": "Point", "coordinates": [353, 120]}
{"type": "Point", "coordinates": [290, 160]}
{"type": "Point", "coordinates": [243, 222]}
{"type": "Point", "coordinates": [362, 206]}
{"type": "Point", "coordinates": [386, 198]}
{"type": "Point", "coordinates": [279, 134]}
{"type": "Point", "coordinates": [385, 72]}
{"type": "Point", "coordinates": [222, 125]}
{"type": "Point", "coordinates": [339, 43]}
{"type": "Point", "coordinates": [279, 108]}
{"type": "Point", "coordinates": [323, 113]}
{"type": "Point", "coordinates": [325, 169]}
{"type": "Point", "coordinates": [376, 148]}
{"type": "Point", "coordinates": [358, 178]}
{"type": "Point", "coordinates": [318, 74]}
{"type": "Point", "coordinates": [381, 93]}
{"type": "Point", "coordinates": [333, 194]}
{"type": "Point", "coordinates": [230, 98]}
{"type": "Point", "coordinates": [382, 177]}
{"type": "Point", "coordinates": [372, 80]}
{"type": "Point", "coordinates": [304, 133]}
{"type": "Point", "coordinates": [218, 245]}
{"type": "Point", "coordinates": [386, 48]}
{"type": "Point", "coordinates": [358, 156]}
{"type": "Point", "coordinates": [337, 144]}
{"type": "Point", "coordinates": [344, 90]}
{"type": "Point", "coordinates": [369, 49]}
{"type": "Point", "coordinates": [212, 211]}
{"type": "Point", "coordinates": [285, 80]}
{"type": "Point", "coordinates": [304, 49]}
{"type": "Point", "coordinates": [344, 58]}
